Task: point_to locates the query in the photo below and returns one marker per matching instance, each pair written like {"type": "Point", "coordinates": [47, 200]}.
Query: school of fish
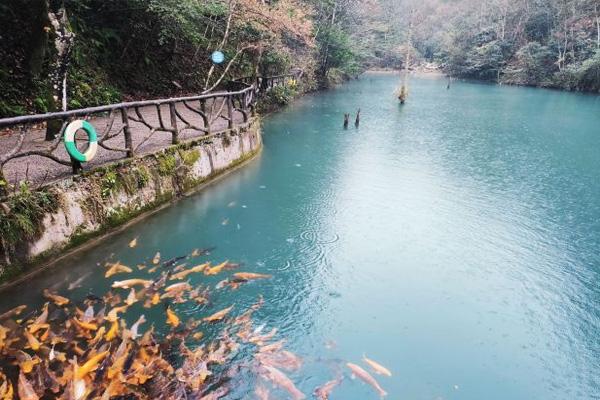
{"type": "Point", "coordinates": [76, 349]}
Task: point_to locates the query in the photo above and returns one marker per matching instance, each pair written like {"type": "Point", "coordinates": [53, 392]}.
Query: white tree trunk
{"type": "Point", "coordinates": [597, 26]}
{"type": "Point", "coordinates": [232, 5]}
{"type": "Point", "coordinates": [63, 42]}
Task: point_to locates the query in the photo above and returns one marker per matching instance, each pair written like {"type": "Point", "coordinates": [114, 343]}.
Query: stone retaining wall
{"type": "Point", "coordinates": [38, 225]}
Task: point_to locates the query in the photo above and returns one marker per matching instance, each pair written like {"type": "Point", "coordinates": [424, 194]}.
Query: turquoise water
{"type": "Point", "coordinates": [455, 240]}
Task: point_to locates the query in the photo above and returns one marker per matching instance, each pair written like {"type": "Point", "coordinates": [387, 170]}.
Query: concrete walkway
{"type": "Point", "coordinates": [39, 170]}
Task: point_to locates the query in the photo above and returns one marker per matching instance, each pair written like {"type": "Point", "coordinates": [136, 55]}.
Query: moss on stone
{"type": "Point", "coordinates": [133, 178]}
{"type": "Point", "coordinates": [167, 164]}
{"type": "Point", "coordinates": [142, 176]}
{"type": "Point", "coordinates": [108, 184]}
{"type": "Point", "coordinates": [189, 157]}
{"type": "Point", "coordinates": [22, 215]}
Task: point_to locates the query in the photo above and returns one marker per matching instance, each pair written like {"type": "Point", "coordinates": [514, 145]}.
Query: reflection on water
{"type": "Point", "coordinates": [453, 239]}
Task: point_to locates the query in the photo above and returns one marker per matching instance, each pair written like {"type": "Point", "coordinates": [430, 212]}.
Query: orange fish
{"type": "Point", "coordinates": [116, 268]}
{"type": "Point", "coordinates": [323, 392]}
{"type": "Point", "coordinates": [26, 362]}
{"type": "Point", "coordinates": [219, 315]}
{"type": "Point", "coordinates": [178, 287]}
{"type": "Point", "coordinates": [247, 276]}
{"type": "Point", "coordinates": [172, 318]}
{"type": "Point", "coordinates": [90, 364]}
{"type": "Point", "coordinates": [280, 379]}
{"type": "Point", "coordinates": [184, 274]}
{"type": "Point", "coordinates": [40, 321]}
{"type": "Point", "coordinates": [58, 300]}
{"type": "Point", "coordinates": [131, 298]}
{"type": "Point", "coordinates": [378, 368]}
{"type": "Point", "coordinates": [88, 326]}
{"type": "Point", "coordinates": [13, 312]}
{"type": "Point", "coordinates": [113, 331]}
{"type": "Point", "coordinates": [33, 342]}
{"type": "Point", "coordinates": [126, 284]}
{"type": "Point", "coordinates": [366, 377]}
{"type": "Point", "coordinates": [114, 313]}
{"type": "Point", "coordinates": [216, 269]}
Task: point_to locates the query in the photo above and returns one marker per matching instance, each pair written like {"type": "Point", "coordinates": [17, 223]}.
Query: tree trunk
{"type": "Point", "coordinates": [38, 42]}
{"type": "Point", "coordinates": [597, 25]}
{"type": "Point", "coordinates": [256, 73]}
{"type": "Point", "coordinates": [325, 56]}
{"type": "Point", "coordinates": [404, 88]}
{"type": "Point", "coordinates": [63, 44]}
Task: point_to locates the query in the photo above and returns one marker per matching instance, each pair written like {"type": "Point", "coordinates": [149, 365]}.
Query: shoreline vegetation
{"type": "Point", "coordinates": [56, 55]}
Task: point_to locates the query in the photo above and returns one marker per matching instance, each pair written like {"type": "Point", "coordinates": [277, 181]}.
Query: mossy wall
{"type": "Point", "coordinates": [36, 226]}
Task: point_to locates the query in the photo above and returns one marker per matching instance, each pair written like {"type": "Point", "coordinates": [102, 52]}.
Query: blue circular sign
{"type": "Point", "coordinates": [217, 57]}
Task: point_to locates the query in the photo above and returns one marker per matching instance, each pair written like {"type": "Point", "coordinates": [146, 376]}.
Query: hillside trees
{"type": "Point", "coordinates": [550, 43]}
{"type": "Point", "coordinates": [141, 48]}
{"type": "Point", "coordinates": [533, 42]}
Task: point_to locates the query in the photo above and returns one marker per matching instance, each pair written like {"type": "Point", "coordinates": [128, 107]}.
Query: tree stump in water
{"type": "Point", "coordinates": [403, 94]}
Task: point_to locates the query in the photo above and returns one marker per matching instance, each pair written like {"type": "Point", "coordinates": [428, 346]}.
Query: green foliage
{"type": "Point", "coordinates": [167, 164]}
{"type": "Point", "coordinates": [339, 58]}
{"type": "Point", "coordinates": [277, 97]}
{"type": "Point", "coordinates": [282, 95]}
{"type": "Point", "coordinates": [275, 62]}
{"type": "Point", "coordinates": [533, 65]}
{"type": "Point", "coordinates": [22, 214]}
{"type": "Point", "coordinates": [189, 157]}
{"type": "Point", "coordinates": [108, 184]}
{"type": "Point", "coordinates": [90, 88]}
{"type": "Point", "coordinates": [588, 75]}
{"type": "Point", "coordinates": [142, 176]}
{"type": "Point", "coordinates": [180, 19]}
{"type": "Point", "coordinates": [335, 76]}
{"type": "Point", "coordinates": [132, 49]}
{"type": "Point", "coordinates": [551, 43]}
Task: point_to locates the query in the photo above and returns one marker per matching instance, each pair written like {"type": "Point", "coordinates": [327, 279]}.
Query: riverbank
{"type": "Point", "coordinates": [44, 224]}
{"type": "Point", "coordinates": [433, 72]}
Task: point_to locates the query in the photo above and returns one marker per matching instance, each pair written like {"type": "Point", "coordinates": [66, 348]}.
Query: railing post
{"type": "Point", "coordinates": [206, 116]}
{"type": "Point", "coordinates": [242, 101]}
{"type": "Point", "coordinates": [75, 166]}
{"type": "Point", "coordinates": [175, 133]}
{"type": "Point", "coordinates": [230, 111]}
{"type": "Point", "coordinates": [127, 133]}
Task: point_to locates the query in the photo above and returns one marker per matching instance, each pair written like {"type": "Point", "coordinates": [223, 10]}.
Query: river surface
{"type": "Point", "coordinates": [455, 240]}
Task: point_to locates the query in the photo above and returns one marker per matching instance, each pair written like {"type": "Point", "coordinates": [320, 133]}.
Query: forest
{"type": "Point", "coordinates": [547, 43]}
{"type": "Point", "coordinates": [76, 53]}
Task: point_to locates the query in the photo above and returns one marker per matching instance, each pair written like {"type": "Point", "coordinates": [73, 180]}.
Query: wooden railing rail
{"type": "Point", "coordinates": [125, 129]}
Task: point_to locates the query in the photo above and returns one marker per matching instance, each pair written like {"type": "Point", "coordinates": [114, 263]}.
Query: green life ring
{"type": "Point", "coordinates": [69, 138]}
